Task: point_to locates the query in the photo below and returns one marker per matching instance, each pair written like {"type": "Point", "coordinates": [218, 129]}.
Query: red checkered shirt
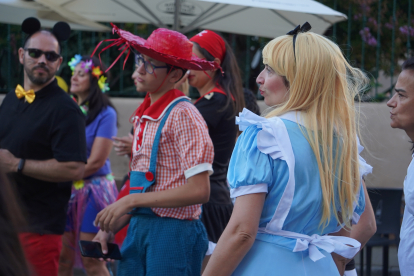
{"type": "Point", "coordinates": [185, 148]}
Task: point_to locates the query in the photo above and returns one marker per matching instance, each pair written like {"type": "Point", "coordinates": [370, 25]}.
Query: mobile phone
{"type": "Point", "coordinates": [94, 250]}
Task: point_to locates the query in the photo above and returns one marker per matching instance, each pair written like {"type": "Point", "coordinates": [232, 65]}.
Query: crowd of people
{"type": "Point", "coordinates": [214, 187]}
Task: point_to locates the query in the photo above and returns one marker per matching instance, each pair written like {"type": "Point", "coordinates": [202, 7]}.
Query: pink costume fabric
{"type": "Point", "coordinates": [101, 191]}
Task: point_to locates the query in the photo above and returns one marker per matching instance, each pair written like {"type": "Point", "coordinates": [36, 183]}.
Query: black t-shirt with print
{"type": "Point", "coordinates": [51, 127]}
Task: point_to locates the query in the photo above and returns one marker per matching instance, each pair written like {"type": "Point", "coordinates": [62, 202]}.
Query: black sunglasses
{"type": "Point", "coordinates": [36, 53]}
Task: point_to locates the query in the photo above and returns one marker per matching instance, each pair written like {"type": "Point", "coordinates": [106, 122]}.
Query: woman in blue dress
{"type": "Point", "coordinates": [97, 189]}
{"type": "Point", "coordinates": [296, 174]}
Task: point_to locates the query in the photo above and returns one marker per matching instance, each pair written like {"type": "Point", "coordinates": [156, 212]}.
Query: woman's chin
{"type": "Point", "coordinates": [192, 83]}
{"type": "Point", "coordinates": [268, 102]}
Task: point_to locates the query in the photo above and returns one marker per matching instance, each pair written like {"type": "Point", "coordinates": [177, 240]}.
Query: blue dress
{"type": "Point", "coordinates": [274, 157]}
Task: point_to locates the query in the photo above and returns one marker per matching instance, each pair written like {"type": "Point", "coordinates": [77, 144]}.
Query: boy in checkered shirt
{"type": "Point", "coordinates": [171, 161]}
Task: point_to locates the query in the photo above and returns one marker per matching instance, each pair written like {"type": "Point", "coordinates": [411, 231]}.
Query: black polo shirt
{"type": "Point", "coordinates": [51, 127]}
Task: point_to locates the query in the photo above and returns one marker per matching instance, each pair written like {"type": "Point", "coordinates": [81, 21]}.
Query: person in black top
{"type": "Point", "coordinates": [42, 145]}
{"type": "Point", "coordinates": [251, 101]}
{"type": "Point", "coordinates": [221, 98]}
{"type": "Point", "coordinates": [12, 261]}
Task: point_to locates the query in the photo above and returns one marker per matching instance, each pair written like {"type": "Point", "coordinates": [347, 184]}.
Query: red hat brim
{"type": "Point", "coordinates": [138, 43]}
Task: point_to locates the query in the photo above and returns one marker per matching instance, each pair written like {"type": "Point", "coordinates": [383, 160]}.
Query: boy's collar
{"type": "Point", "coordinates": [155, 111]}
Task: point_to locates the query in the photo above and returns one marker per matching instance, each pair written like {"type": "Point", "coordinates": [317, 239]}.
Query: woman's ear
{"type": "Point", "coordinates": [217, 60]}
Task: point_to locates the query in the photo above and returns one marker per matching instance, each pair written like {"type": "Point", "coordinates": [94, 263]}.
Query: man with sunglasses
{"type": "Point", "coordinates": [42, 148]}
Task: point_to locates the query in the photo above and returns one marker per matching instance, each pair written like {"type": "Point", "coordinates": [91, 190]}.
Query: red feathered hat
{"type": "Point", "coordinates": [163, 45]}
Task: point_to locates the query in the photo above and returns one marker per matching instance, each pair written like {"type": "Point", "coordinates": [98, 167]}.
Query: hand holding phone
{"type": "Point", "coordinates": [94, 250]}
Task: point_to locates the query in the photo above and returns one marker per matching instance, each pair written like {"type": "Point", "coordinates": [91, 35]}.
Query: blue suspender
{"type": "Point", "coordinates": [140, 181]}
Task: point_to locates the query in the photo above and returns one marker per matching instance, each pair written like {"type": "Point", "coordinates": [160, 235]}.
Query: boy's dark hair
{"type": "Point", "coordinates": [408, 64]}
{"type": "Point", "coordinates": [230, 81]}
{"type": "Point", "coordinates": [96, 100]}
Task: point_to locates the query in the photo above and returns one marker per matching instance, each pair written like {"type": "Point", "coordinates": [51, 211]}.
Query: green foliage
{"type": "Point", "coordinates": [10, 68]}
{"type": "Point", "coordinates": [120, 81]}
{"type": "Point", "coordinates": [364, 30]}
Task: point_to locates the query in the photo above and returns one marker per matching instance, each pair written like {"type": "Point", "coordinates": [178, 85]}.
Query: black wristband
{"type": "Point", "coordinates": [21, 165]}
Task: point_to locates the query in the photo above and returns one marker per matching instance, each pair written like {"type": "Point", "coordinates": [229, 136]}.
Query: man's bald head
{"type": "Point", "coordinates": [42, 34]}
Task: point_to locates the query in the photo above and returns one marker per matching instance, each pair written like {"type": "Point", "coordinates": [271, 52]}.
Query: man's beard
{"type": "Point", "coordinates": [40, 79]}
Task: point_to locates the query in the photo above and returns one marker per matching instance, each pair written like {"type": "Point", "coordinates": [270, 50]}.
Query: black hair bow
{"type": "Point", "coordinates": [305, 28]}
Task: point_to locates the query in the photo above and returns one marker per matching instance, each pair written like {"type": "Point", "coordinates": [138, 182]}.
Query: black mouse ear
{"type": "Point", "coordinates": [31, 25]}
{"type": "Point", "coordinates": [61, 30]}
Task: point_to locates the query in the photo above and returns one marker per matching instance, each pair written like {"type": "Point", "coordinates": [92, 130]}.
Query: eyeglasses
{"type": "Point", "coordinates": [149, 67]}
{"type": "Point", "coordinates": [36, 53]}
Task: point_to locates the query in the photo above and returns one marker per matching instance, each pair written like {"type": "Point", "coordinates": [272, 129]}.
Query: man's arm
{"type": "Point", "coordinates": [46, 170]}
{"type": "Point", "coordinates": [195, 191]}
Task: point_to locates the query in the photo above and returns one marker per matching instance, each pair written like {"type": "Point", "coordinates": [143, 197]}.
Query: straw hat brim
{"type": "Point", "coordinates": [138, 44]}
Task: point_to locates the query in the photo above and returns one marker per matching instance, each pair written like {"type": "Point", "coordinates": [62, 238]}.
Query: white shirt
{"type": "Point", "coordinates": [406, 248]}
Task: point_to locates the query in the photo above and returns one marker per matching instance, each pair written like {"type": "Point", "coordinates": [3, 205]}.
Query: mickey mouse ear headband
{"type": "Point", "coordinates": [305, 28]}
{"type": "Point", "coordinates": [61, 30]}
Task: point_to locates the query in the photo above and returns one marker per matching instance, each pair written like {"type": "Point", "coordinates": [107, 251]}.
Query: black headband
{"type": "Point", "coordinates": [61, 30]}
{"type": "Point", "coordinates": [305, 27]}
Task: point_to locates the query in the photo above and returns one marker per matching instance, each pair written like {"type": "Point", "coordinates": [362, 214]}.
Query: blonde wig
{"type": "Point", "coordinates": [323, 85]}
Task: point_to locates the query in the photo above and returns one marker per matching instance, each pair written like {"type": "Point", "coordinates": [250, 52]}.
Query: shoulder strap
{"type": "Point", "coordinates": [154, 151]}
{"type": "Point", "coordinates": [279, 131]}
